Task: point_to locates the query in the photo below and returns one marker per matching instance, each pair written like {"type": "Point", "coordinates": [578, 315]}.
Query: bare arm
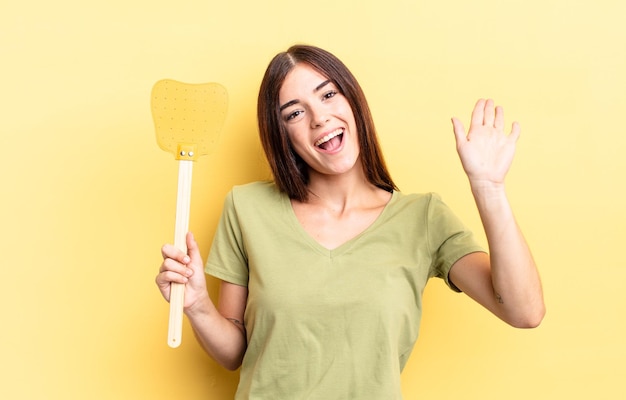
{"type": "Point", "coordinates": [507, 281]}
{"type": "Point", "coordinates": [219, 330]}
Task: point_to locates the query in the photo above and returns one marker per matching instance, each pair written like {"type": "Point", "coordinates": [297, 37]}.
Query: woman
{"type": "Point", "coordinates": [323, 269]}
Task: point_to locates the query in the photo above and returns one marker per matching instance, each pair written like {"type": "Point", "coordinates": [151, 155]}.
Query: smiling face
{"type": "Point", "coordinates": [319, 121]}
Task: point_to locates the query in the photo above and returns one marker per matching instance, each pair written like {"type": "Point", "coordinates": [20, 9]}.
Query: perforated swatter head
{"type": "Point", "coordinates": [188, 117]}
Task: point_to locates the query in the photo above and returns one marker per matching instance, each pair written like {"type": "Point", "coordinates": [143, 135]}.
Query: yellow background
{"type": "Point", "coordinates": [88, 197]}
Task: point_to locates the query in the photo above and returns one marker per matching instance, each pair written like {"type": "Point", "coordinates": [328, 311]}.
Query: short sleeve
{"type": "Point", "coordinates": [448, 238]}
{"type": "Point", "coordinates": [227, 259]}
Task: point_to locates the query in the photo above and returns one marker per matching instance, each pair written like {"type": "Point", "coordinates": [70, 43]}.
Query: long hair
{"type": "Point", "coordinates": [289, 170]}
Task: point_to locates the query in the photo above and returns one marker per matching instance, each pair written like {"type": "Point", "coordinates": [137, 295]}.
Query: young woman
{"type": "Point", "coordinates": [323, 268]}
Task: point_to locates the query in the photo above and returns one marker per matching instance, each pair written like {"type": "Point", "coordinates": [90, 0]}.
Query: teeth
{"type": "Point", "coordinates": [329, 136]}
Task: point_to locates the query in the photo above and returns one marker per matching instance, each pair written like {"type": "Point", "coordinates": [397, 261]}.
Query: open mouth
{"type": "Point", "coordinates": [331, 141]}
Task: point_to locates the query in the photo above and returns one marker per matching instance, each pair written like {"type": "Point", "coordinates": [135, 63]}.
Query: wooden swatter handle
{"type": "Point", "coordinates": [177, 290]}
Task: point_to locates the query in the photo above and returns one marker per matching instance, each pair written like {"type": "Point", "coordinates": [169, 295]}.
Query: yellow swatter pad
{"type": "Point", "coordinates": [188, 117]}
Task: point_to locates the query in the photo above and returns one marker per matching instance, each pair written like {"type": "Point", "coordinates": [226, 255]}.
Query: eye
{"type": "Point", "coordinates": [293, 115]}
{"type": "Point", "coordinates": [329, 94]}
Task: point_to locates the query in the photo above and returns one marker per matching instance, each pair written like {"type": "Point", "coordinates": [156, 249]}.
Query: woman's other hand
{"type": "Point", "coordinates": [486, 151]}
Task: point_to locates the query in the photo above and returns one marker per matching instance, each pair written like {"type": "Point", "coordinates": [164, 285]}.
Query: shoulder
{"type": "Point", "coordinates": [260, 195]}
{"type": "Point", "coordinates": [425, 208]}
{"type": "Point", "coordinates": [259, 190]}
{"type": "Point", "coordinates": [415, 201]}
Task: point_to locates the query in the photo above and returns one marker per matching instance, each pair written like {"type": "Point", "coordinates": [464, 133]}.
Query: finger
{"type": "Point", "coordinates": [459, 131]}
{"type": "Point", "coordinates": [163, 285]}
{"type": "Point", "coordinates": [171, 265]}
{"type": "Point", "coordinates": [478, 113]}
{"type": "Point", "coordinates": [170, 251]}
{"type": "Point", "coordinates": [516, 131]}
{"type": "Point", "coordinates": [489, 118]}
{"type": "Point", "coordinates": [499, 121]}
{"type": "Point", "coordinates": [164, 279]}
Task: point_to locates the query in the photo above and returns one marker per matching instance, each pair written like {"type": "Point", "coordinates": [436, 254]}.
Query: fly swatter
{"type": "Point", "coordinates": [188, 119]}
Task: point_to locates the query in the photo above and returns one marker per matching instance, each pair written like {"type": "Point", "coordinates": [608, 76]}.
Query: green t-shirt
{"type": "Point", "coordinates": [331, 324]}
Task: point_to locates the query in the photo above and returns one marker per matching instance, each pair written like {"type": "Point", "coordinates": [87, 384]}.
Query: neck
{"type": "Point", "coordinates": [342, 192]}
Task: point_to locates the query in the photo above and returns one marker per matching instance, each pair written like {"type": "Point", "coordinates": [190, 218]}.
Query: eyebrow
{"type": "Point", "coordinates": [317, 89]}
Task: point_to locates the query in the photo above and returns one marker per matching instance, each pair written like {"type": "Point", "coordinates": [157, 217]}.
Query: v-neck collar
{"type": "Point", "coordinates": [331, 253]}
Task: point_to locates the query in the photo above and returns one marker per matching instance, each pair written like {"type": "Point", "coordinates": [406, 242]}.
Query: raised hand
{"type": "Point", "coordinates": [486, 151]}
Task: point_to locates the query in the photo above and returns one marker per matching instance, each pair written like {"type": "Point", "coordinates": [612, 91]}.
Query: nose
{"type": "Point", "coordinates": [319, 116]}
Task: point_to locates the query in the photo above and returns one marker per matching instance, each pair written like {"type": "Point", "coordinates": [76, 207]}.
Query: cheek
{"type": "Point", "coordinates": [295, 143]}
{"type": "Point", "coordinates": [292, 137]}
{"type": "Point", "coordinates": [346, 113]}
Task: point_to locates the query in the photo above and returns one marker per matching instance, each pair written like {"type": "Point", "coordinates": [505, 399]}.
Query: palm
{"type": "Point", "coordinates": [486, 152]}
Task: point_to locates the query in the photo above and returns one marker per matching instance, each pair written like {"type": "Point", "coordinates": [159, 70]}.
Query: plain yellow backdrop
{"type": "Point", "coordinates": [88, 198]}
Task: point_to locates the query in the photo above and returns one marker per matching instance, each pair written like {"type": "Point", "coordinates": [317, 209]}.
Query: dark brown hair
{"type": "Point", "coordinates": [289, 170]}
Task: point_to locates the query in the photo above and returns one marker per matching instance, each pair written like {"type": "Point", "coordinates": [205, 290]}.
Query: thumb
{"type": "Point", "coordinates": [193, 251]}
{"type": "Point", "coordinates": [515, 131]}
{"type": "Point", "coordinates": [459, 131]}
